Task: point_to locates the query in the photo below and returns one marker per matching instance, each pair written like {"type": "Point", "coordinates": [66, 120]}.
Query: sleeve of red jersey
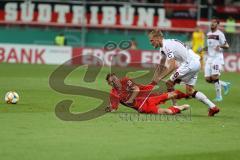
{"type": "Point", "coordinates": [114, 99]}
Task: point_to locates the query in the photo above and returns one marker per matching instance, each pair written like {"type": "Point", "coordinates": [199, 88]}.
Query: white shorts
{"type": "Point", "coordinates": [187, 72]}
{"type": "Point", "coordinates": [212, 68]}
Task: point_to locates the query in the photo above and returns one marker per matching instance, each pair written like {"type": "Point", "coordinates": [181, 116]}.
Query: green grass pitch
{"type": "Point", "coordinates": [30, 129]}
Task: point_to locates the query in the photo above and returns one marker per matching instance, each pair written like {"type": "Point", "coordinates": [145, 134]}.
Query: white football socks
{"type": "Point", "coordinates": [201, 97]}
{"type": "Point", "coordinates": [218, 89]}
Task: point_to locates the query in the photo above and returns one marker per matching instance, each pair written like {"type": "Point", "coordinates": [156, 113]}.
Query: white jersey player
{"type": "Point", "coordinates": [216, 42]}
{"type": "Point", "coordinates": [174, 50]}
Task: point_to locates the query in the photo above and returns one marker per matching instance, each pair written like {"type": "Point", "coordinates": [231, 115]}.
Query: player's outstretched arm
{"type": "Point", "coordinates": [163, 69]}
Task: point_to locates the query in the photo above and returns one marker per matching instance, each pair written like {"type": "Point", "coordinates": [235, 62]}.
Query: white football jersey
{"type": "Point", "coordinates": [213, 40]}
{"type": "Point", "coordinates": [173, 48]}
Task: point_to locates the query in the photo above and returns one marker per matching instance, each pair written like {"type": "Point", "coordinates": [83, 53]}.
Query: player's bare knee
{"type": "Point", "coordinates": [189, 91]}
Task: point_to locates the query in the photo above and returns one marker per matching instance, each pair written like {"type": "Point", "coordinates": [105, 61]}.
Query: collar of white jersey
{"type": "Point", "coordinates": [215, 31]}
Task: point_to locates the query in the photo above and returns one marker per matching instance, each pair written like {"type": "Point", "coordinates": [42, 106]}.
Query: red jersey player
{"type": "Point", "coordinates": [139, 97]}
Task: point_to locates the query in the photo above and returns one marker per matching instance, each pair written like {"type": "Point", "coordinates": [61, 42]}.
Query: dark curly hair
{"type": "Point", "coordinates": [109, 75]}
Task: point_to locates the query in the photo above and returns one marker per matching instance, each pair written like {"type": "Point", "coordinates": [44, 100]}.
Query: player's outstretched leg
{"type": "Point", "coordinates": [213, 109]}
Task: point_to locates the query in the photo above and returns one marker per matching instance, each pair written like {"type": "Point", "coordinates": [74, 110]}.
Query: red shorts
{"type": "Point", "coordinates": [150, 106]}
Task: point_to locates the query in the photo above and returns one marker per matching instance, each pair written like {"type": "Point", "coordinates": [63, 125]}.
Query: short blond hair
{"type": "Point", "coordinates": [155, 33]}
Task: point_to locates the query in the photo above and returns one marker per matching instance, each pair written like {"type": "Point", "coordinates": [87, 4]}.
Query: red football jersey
{"type": "Point", "coordinates": [125, 92]}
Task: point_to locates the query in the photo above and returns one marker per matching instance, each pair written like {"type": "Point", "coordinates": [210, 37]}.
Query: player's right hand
{"type": "Point", "coordinates": [109, 109]}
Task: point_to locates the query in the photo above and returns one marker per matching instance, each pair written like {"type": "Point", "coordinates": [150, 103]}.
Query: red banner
{"type": "Point", "coordinates": [137, 58]}
{"type": "Point", "coordinates": [32, 54]}
{"type": "Point", "coordinates": [122, 58]}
